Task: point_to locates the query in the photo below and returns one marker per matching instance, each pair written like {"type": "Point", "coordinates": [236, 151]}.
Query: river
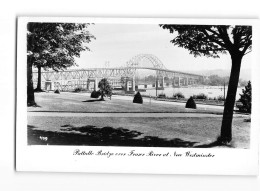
{"type": "Point", "coordinates": [210, 91]}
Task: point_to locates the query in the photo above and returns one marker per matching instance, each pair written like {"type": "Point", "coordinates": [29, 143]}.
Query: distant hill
{"type": "Point", "coordinates": [244, 74]}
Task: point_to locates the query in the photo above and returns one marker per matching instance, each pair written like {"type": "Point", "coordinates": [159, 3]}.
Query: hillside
{"type": "Point", "coordinates": [244, 74]}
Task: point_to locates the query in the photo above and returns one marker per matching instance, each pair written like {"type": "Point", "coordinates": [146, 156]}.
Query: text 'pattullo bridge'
{"type": "Point", "coordinates": [88, 78]}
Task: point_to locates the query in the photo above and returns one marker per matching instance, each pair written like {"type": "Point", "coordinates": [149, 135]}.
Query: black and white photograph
{"type": "Point", "coordinates": [137, 84]}
{"type": "Point", "coordinates": [163, 85]}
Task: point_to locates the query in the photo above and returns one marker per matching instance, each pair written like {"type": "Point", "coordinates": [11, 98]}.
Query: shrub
{"type": "Point", "coordinates": [161, 96]}
{"type": "Point", "coordinates": [77, 89]}
{"type": "Point", "coordinates": [220, 98]}
{"type": "Point", "coordinates": [178, 95]}
{"type": "Point", "coordinates": [246, 99]}
{"type": "Point", "coordinates": [138, 98]}
{"type": "Point", "coordinates": [57, 91]}
{"type": "Point", "coordinates": [95, 94]}
{"type": "Point", "coordinates": [191, 103]}
{"type": "Point", "coordinates": [200, 96]}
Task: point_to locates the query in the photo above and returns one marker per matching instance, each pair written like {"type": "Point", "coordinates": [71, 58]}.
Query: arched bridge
{"type": "Point", "coordinates": [88, 78]}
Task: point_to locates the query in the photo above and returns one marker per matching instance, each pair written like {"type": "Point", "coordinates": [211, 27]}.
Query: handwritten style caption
{"type": "Point", "coordinates": [134, 153]}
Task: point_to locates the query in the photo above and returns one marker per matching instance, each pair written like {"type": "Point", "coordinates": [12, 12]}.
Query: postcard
{"type": "Point", "coordinates": [137, 95]}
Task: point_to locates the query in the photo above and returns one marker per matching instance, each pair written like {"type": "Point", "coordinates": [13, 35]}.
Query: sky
{"type": "Point", "coordinates": [118, 43]}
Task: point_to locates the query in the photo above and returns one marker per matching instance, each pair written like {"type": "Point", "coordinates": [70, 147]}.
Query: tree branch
{"type": "Point", "coordinates": [247, 52]}
{"type": "Point", "coordinates": [223, 34]}
{"type": "Point", "coordinates": [213, 39]}
{"type": "Point", "coordinates": [212, 31]}
{"type": "Point", "coordinates": [246, 47]}
{"type": "Point", "coordinates": [206, 50]}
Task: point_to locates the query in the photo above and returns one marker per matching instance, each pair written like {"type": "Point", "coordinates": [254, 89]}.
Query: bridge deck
{"type": "Point", "coordinates": [125, 68]}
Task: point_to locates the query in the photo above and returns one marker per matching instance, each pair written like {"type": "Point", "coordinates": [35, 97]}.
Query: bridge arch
{"type": "Point", "coordinates": [71, 79]}
{"type": "Point", "coordinates": [145, 61]}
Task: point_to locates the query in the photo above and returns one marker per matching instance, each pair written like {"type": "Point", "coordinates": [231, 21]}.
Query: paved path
{"type": "Point", "coordinates": [145, 99]}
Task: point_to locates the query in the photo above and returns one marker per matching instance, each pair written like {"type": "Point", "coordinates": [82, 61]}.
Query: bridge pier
{"type": "Point", "coordinates": [133, 84]}
{"type": "Point", "coordinates": [88, 82]}
{"type": "Point", "coordinates": [157, 83]}
{"type": "Point", "coordinates": [126, 84]}
{"type": "Point", "coordinates": [174, 82]}
{"type": "Point", "coordinates": [162, 82]}
{"type": "Point", "coordinates": [49, 85]}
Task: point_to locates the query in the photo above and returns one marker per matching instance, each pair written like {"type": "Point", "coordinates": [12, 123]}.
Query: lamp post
{"type": "Point", "coordinates": [156, 85]}
{"type": "Point", "coordinates": [224, 91]}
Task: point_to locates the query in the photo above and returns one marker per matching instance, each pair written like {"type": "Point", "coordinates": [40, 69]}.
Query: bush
{"type": "Point", "coordinates": [95, 94]}
{"type": "Point", "coordinates": [138, 98]}
{"type": "Point", "coordinates": [200, 96]}
{"type": "Point", "coordinates": [246, 99]}
{"type": "Point", "coordinates": [191, 103]}
{"type": "Point", "coordinates": [220, 98]}
{"type": "Point", "coordinates": [57, 91]}
{"type": "Point", "coordinates": [77, 89]}
{"type": "Point", "coordinates": [161, 96]}
{"type": "Point", "coordinates": [178, 95]}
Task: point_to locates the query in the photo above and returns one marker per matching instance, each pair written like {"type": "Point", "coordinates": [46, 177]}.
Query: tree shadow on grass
{"type": "Point", "coordinates": [93, 100]}
{"type": "Point", "coordinates": [93, 136]}
{"type": "Point", "coordinates": [214, 144]}
{"type": "Point", "coordinates": [35, 105]}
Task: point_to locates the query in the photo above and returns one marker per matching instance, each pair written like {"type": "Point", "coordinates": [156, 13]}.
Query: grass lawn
{"type": "Point", "coordinates": [81, 126]}
{"type": "Point", "coordinates": [128, 131]}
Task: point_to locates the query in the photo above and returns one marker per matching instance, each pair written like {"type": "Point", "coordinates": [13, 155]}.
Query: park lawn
{"type": "Point", "coordinates": [76, 102]}
{"type": "Point", "coordinates": [129, 131]}
{"type": "Point", "coordinates": [65, 119]}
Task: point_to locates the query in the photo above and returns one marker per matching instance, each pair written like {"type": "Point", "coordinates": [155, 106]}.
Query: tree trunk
{"type": "Point", "coordinates": [226, 128]}
{"type": "Point", "coordinates": [39, 83]}
{"type": "Point", "coordinates": [30, 90]}
{"type": "Point", "coordinates": [102, 95]}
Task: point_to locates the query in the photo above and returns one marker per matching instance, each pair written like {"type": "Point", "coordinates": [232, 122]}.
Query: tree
{"type": "Point", "coordinates": [150, 79]}
{"type": "Point", "coordinates": [105, 88]}
{"type": "Point", "coordinates": [215, 80]}
{"type": "Point", "coordinates": [210, 41]}
{"type": "Point", "coordinates": [246, 99]}
{"type": "Point", "coordinates": [53, 46]}
{"type": "Point", "coordinates": [138, 98]}
{"type": "Point", "coordinates": [191, 103]}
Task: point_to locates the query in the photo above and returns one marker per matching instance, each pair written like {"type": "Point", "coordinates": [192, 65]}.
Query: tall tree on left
{"type": "Point", "coordinates": [53, 46]}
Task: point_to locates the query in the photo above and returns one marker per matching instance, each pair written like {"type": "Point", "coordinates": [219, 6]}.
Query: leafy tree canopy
{"type": "Point", "coordinates": [246, 99]}
{"type": "Point", "coordinates": [105, 88]}
{"type": "Point", "coordinates": [210, 40]}
{"type": "Point", "coordinates": [55, 45]}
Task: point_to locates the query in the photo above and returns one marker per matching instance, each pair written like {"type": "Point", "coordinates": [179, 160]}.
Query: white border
{"type": "Point", "coordinates": [61, 159]}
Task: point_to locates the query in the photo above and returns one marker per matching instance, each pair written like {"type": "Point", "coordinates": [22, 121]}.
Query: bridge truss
{"type": "Point", "coordinates": [68, 80]}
